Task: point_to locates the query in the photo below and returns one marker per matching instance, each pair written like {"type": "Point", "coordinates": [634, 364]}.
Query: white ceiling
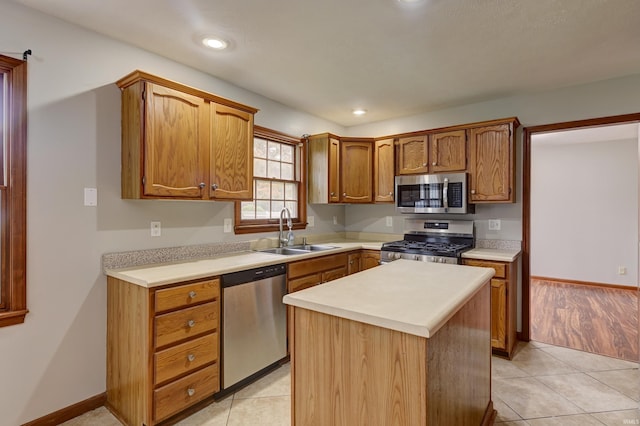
{"type": "Point", "coordinates": [327, 57]}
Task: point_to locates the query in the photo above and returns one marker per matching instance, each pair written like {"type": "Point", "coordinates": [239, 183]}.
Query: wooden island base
{"type": "Point", "coordinates": [350, 373]}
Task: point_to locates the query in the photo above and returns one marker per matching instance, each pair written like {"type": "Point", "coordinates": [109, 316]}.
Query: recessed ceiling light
{"type": "Point", "coordinates": [359, 111]}
{"type": "Point", "coordinates": [215, 43]}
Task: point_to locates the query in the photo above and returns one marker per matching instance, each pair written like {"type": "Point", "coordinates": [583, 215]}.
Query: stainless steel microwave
{"type": "Point", "coordinates": [437, 193]}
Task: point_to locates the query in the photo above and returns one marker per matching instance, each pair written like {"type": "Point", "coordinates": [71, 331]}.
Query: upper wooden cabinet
{"type": "Point", "coordinates": [448, 151]}
{"type": "Point", "coordinates": [180, 142]}
{"type": "Point", "coordinates": [492, 163]}
{"type": "Point", "coordinates": [412, 155]}
{"type": "Point", "coordinates": [340, 170]}
{"type": "Point", "coordinates": [383, 171]}
{"type": "Point", "coordinates": [356, 172]}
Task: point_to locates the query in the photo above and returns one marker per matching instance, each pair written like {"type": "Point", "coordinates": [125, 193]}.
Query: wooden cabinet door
{"type": "Point", "coordinates": [412, 155]}
{"type": "Point", "coordinates": [354, 263]}
{"type": "Point", "coordinates": [370, 259]}
{"type": "Point", "coordinates": [383, 171]}
{"type": "Point", "coordinates": [231, 153]}
{"type": "Point", "coordinates": [334, 170]}
{"type": "Point", "coordinates": [491, 164]}
{"type": "Point", "coordinates": [356, 159]}
{"type": "Point", "coordinates": [448, 151]}
{"type": "Point", "coordinates": [176, 144]}
{"type": "Point", "coordinates": [334, 274]}
{"type": "Point", "coordinates": [499, 313]}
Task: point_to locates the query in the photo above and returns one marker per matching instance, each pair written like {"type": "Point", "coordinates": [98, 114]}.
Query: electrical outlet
{"type": "Point", "coordinates": [90, 197]}
{"type": "Point", "coordinates": [494, 224]}
{"type": "Point", "coordinates": [335, 220]}
{"type": "Point", "coordinates": [622, 270]}
{"type": "Point", "coordinates": [156, 230]}
{"type": "Point", "coordinates": [311, 221]}
{"type": "Point", "coordinates": [228, 225]}
{"type": "Point", "coordinates": [389, 220]}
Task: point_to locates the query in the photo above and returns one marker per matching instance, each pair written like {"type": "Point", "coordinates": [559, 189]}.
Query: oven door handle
{"type": "Point", "coordinates": [445, 194]}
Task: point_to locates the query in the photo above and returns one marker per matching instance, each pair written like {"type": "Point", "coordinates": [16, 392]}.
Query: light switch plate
{"type": "Point", "coordinates": [156, 230]}
{"type": "Point", "coordinates": [90, 197]}
{"type": "Point", "coordinates": [494, 224]}
{"type": "Point", "coordinates": [228, 225]}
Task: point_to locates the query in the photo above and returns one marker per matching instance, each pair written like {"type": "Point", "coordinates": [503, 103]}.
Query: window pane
{"type": "Point", "coordinates": [259, 167]}
{"type": "Point", "coordinates": [274, 169]}
{"type": "Point", "coordinates": [287, 171]}
{"type": "Point", "coordinates": [260, 148]}
{"type": "Point", "coordinates": [287, 153]}
{"type": "Point", "coordinates": [293, 207]}
{"type": "Point", "coordinates": [263, 209]}
{"type": "Point", "coordinates": [277, 191]}
{"type": "Point", "coordinates": [274, 151]}
{"type": "Point", "coordinates": [248, 210]}
{"type": "Point", "coordinates": [276, 208]}
{"type": "Point", "coordinates": [290, 191]}
{"type": "Point", "coordinates": [263, 189]}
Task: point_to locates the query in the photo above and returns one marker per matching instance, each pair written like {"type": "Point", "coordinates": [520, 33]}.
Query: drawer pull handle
{"type": "Point", "coordinates": [191, 391]}
{"type": "Point", "coordinates": [191, 357]}
{"type": "Point", "coordinates": [192, 294]}
{"type": "Point", "coordinates": [191, 323]}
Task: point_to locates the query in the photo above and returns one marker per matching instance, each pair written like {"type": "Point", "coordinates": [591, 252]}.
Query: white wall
{"type": "Point", "coordinates": [57, 358]}
{"type": "Point", "coordinates": [584, 225]}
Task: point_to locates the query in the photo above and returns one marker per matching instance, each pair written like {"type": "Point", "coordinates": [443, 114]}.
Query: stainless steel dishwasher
{"type": "Point", "coordinates": [254, 322]}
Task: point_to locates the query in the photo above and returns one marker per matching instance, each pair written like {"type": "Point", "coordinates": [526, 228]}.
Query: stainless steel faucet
{"type": "Point", "coordinates": [288, 241]}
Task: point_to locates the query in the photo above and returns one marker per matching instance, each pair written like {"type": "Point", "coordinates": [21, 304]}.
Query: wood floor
{"type": "Point", "coordinates": [590, 318]}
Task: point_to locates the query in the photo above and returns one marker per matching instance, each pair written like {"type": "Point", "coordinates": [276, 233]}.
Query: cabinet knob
{"type": "Point", "coordinates": [191, 391]}
{"type": "Point", "coordinates": [473, 191]}
{"type": "Point", "coordinates": [391, 193]}
{"type": "Point", "coordinates": [434, 164]}
{"type": "Point", "coordinates": [214, 186]}
{"type": "Point", "coordinates": [202, 185]}
{"type": "Point", "coordinates": [344, 194]}
{"type": "Point", "coordinates": [191, 357]}
{"type": "Point", "coordinates": [192, 294]}
{"type": "Point", "coordinates": [333, 193]}
{"type": "Point", "coordinates": [191, 323]}
{"type": "Point", "coordinates": [424, 164]}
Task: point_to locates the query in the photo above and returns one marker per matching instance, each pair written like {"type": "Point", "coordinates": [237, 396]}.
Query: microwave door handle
{"type": "Point", "coordinates": [445, 194]}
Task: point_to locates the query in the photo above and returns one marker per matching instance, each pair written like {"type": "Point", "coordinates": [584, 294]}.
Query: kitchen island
{"type": "Point", "coordinates": [407, 343]}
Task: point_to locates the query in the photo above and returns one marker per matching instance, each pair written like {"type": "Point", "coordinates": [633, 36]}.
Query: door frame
{"type": "Point", "coordinates": [527, 132]}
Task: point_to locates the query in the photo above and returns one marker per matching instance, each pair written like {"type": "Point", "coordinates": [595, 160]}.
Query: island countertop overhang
{"type": "Point", "coordinates": [412, 297]}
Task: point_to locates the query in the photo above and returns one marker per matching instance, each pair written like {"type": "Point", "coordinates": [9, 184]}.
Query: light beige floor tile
{"type": "Point", "coordinates": [502, 368]}
{"type": "Point", "coordinates": [270, 411]}
{"type": "Point", "coordinates": [584, 361]}
{"type": "Point", "coordinates": [530, 399]}
{"type": "Point", "coordinates": [619, 418]}
{"type": "Point", "coordinates": [505, 413]}
{"type": "Point", "coordinates": [98, 417]}
{"type": "Point", "coordinates": [588, 393]}
{"type": "Point", "coordinates": [626, 382]}
{"type": "Point", "coordinates": [534, 344]}
{"type": "Point", "coordinates": [537, 362]}
{"type": "Point", "coordinates": [276, 383]}
{"type": "Point", "coordinates": [575, 420]}
{"type": "Point", "coordinates": [215, 414]}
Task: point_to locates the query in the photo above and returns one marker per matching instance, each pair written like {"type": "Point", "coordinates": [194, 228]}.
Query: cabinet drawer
{"type": "Point", "coordinates": [318, 264]}
{"type": "Point", "coordinates": [500, 268]}
{"type": "Point", "coordinates": [182, 324]}
{"type": "Point", "coordinates": [334, 274]}
{"type": "Point", "coordinates": [301, 283]}
{"type": "Point", "coordinates": [185, 392]}
{"type": "Point", "coordinates": [187, 295]}
{"type": "Point", "coordinates": [186, 357]}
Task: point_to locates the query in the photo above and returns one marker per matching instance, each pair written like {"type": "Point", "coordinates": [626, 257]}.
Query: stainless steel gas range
{"type": "Point", "coordinates": [441, 241]}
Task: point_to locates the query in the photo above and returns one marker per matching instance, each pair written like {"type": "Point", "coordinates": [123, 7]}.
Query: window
{"type": "Point", "coordinates": [13, 174]}
{"type": "Point", "coordinates": [278, 181]}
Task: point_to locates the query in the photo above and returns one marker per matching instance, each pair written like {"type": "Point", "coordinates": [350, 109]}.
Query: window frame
{"type": "Point", "coordinates": [269, 225]}
{"type": "Point", "coordinates": [13, 206]}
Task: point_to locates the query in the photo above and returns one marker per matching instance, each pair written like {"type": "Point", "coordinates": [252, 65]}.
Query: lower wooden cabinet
{"type": "Point", "coordinates": [370, 258]}
{"type": "Point", "coordinates": [162, 348]}
{"type": "Point", "coordinates": [307, 273]}
{"type": "Point", "coordinates": [503, 304]}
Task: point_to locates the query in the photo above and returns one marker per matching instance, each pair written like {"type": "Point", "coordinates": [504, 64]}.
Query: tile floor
{"type": "Point", "coordinates": [543, 385]}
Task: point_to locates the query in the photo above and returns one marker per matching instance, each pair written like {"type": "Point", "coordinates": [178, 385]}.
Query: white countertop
{"type": "Point", "coordinates": [169, 273]}
{"type": "Point", "coordinates": [502, 255]}
{"type": "Point", "coordinates": [408, 296]}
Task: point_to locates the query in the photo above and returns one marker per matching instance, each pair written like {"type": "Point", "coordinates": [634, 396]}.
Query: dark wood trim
{"type": "Point", "coordinates": [585, 283]}
{"type": "Point", "coordinates": [70, 412]}
{"type": "Point", "coordinates": [527, 133]}
{"type": "Point", "coordinates": [14, 213]}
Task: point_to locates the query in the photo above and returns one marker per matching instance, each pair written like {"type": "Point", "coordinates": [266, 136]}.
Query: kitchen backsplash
{"type": "Point", "coordinates": [499, 244]}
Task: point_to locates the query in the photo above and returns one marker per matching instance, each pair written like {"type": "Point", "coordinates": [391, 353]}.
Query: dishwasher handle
{"type": "Point", "coordinates": [251, 275]}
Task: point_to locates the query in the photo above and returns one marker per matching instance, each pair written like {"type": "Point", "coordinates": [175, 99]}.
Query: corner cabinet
{"type": "Point", "coordinates": [182, 143]}
{"type": "Point", "coordinates": [162, 348]}
{"type": "Point", "coordinates": [492, 163]}
{"type": "Point", "coordinates": [503, 304]}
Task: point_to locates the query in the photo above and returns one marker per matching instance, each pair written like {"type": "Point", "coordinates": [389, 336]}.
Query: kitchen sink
{"type": "Point", "coordinates": [297, 249]}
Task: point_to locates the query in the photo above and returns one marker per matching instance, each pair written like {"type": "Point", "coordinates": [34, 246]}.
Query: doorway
{"type": "Point", "coordinates": [534, 139]}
